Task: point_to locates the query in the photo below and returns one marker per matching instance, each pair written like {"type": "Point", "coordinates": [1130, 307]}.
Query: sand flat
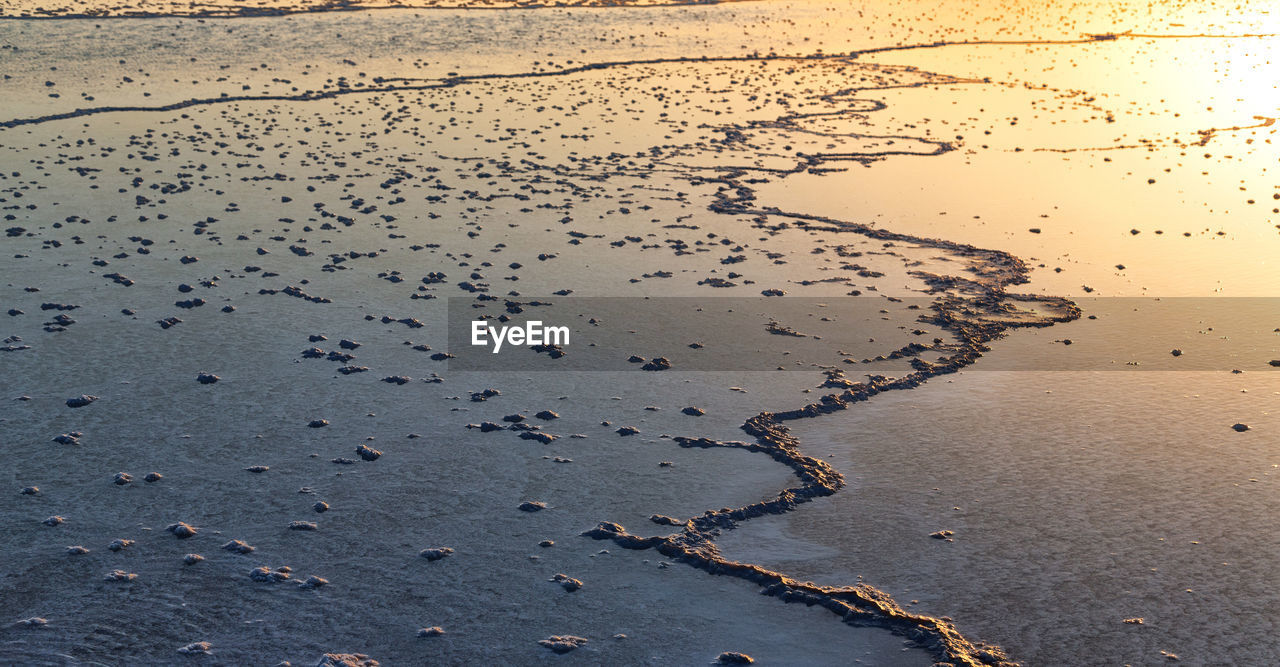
{"type": "Point", "coordinates": [241, 244]}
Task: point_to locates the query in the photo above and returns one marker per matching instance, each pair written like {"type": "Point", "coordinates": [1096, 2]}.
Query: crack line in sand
{"type": "Point", "coordinates": [976, 311]}
{"type": "Point", "coordinates": [861, 605]}
{"type": "Point", "coordinates": [449, 82]}
{"type": "Point", "coordinates": [1205, 137]}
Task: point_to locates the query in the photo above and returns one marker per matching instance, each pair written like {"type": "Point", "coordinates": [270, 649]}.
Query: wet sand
{"type": "Point", "coordinates": [233, 281]}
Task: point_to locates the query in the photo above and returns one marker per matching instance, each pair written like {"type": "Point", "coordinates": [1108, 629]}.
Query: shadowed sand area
{"type": "Point", "coordinates": [242, 427]}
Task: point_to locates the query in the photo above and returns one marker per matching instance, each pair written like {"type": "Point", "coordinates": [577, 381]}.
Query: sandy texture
{"type": "Point", "coordinates": [240, 427]}
{"type": "Point", "coordinates": [149, 8]}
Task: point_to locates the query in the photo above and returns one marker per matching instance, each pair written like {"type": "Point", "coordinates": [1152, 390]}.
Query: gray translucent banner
{"type": "Point", "coordinates": [864, 334]}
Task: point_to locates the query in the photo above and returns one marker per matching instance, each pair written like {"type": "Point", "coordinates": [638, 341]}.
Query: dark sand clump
{"type": "Point", "coordinates": [267, 575]}
{"type": "Point", "coordinates": [181, 530]}
{"type": "Point", "coordinates": [194, 648]}
{"type": "Point", "coordinates": [346, 660]}
{"type": "Point", "coordinates": [81, 401]}
{"type": "Point", "coordinates": [563, 643]}
{"type": "Point", "coordinates": [238, 547]}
